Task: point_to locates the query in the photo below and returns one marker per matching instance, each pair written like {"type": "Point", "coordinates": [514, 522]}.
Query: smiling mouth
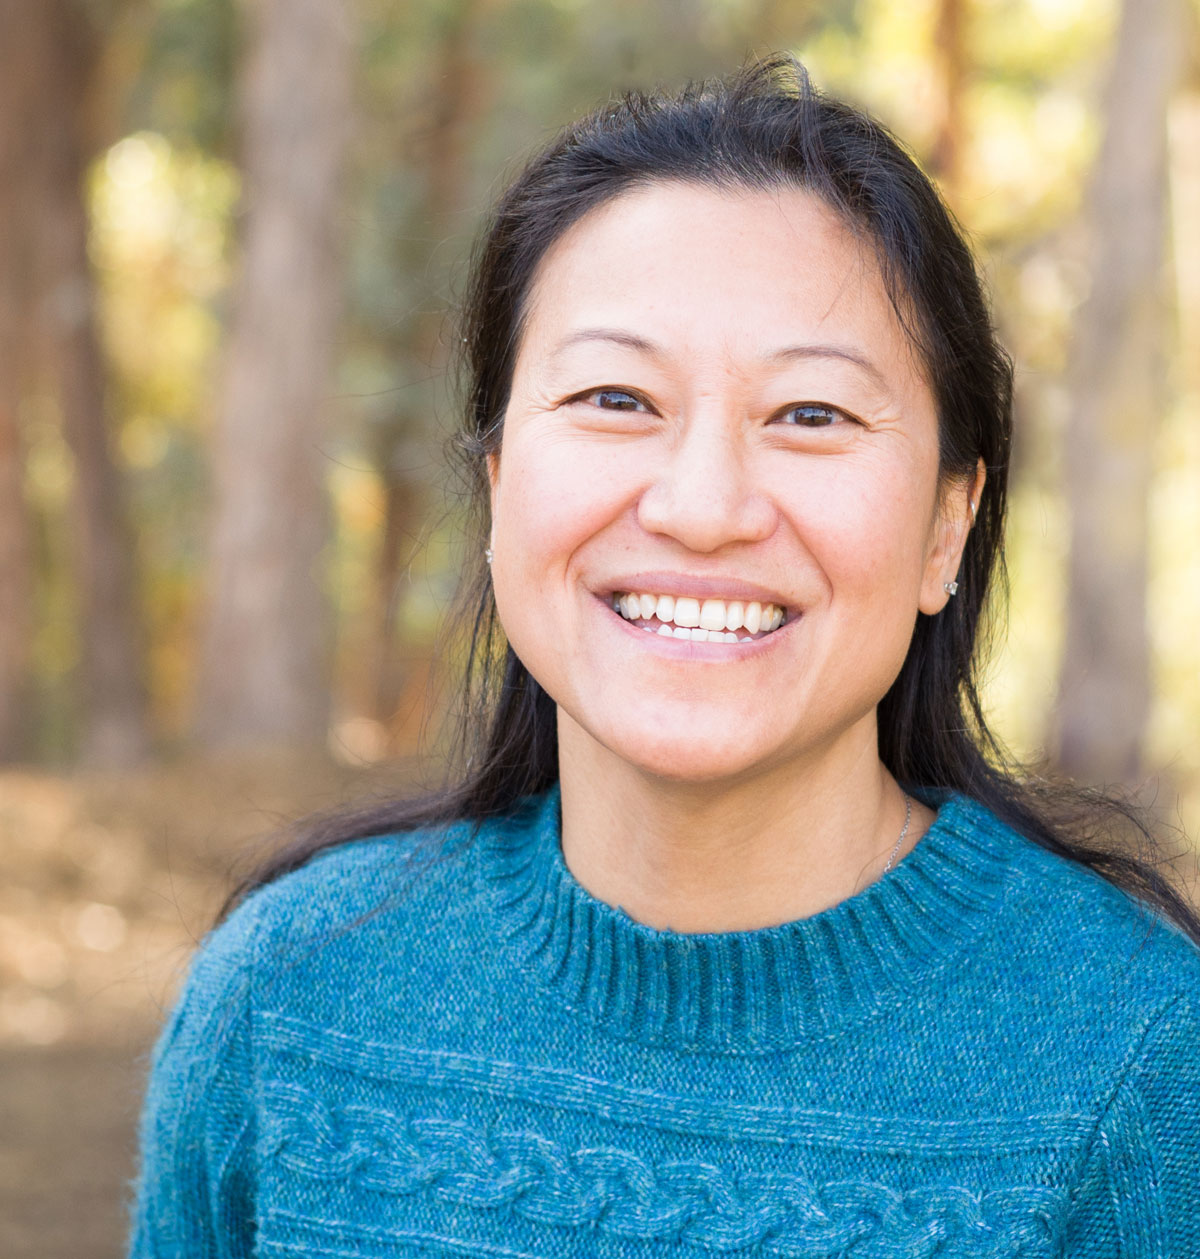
{"type": "Point", "coordinates": [700, 620]}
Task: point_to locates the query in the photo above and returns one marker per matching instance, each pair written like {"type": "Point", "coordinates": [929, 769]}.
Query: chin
{"type": "Point", "coordinates": [691, 758]}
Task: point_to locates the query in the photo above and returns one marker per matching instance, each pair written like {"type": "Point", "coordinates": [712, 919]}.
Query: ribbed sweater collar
{"type": "Point", "coordinates": [743, 992]}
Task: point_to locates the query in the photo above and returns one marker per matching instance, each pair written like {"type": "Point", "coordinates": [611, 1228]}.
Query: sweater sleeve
{"type": "Point", "coordinates": [196, 1184]}
{"type": "Point", "coordinates": [1139, 1196]}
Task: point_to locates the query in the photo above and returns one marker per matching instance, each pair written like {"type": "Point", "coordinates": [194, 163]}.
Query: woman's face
{"type": "Point", "coordinates": [717, 421]}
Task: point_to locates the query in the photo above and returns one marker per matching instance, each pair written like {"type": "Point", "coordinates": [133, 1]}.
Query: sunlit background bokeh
{"type": "Point", "coordinates": [163, 241]}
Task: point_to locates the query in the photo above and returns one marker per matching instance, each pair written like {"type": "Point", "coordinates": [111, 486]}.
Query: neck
{"type": "Point", "coordinates": [738, 855]}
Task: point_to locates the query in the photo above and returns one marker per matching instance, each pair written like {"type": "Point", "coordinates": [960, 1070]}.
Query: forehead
{"type": "Point", "coordinates": [727, 271]}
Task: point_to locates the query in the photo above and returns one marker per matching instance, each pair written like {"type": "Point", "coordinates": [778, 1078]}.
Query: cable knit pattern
{"type": "Point", "coordinates": [627, 1196]}
{"type": "Point", "coordinates": [443, 1045]}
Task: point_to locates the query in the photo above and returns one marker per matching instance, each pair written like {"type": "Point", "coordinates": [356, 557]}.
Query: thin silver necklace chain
{"type": "Point", "coordinates": [900, 837]}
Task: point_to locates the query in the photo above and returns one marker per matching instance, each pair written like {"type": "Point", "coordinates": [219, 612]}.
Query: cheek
{"type": "Point", "coordinates": [864, 538]}
{"type": "Point", "coordinates": [867, 534]}
{"type": "Point", "coordinates": [552, 497]}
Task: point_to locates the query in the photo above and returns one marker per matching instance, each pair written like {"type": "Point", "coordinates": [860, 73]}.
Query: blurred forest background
{"type": "Point", "coordinates": [232, 235]}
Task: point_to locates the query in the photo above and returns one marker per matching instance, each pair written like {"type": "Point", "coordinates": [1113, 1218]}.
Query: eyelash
{"type": "Point", "coordinates": [811, 407]}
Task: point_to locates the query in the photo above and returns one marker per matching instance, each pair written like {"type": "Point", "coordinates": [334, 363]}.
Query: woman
{"type": "Point", "coordinates": [731, 938]}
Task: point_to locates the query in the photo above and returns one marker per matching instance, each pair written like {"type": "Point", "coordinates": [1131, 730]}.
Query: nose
{"type": "Point", "coordinates": [705, 495]}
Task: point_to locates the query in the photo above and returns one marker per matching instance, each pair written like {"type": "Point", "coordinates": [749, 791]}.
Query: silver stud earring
{"type": "Point", "coordinates": [950, 587]}
{"type": "Point", "coordinates": [487, 555]}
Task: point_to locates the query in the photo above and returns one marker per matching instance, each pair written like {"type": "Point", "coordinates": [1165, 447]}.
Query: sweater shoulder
{"type": "Point", "coordinates": [325, 898]}
{"type": "Point", "coordinates": [1102, 938]}
{"type": "Point", "coordinates": [341, 886]}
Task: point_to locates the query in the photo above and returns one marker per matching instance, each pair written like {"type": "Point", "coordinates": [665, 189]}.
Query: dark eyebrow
{"type": "Point", "coordinates": [828, 351]}
{"type": "Point", "coordinates": [631, 341]}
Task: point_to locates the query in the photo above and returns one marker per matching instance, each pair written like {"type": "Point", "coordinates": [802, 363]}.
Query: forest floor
{"type": "Point", "coordinates": [108, 883]}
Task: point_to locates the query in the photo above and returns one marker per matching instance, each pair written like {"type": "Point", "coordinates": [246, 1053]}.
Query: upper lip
{"type": "Point", "coordinates": [689, 585]}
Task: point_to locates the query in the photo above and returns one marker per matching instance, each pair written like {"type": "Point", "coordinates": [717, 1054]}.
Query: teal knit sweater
{"type": "Point", "coordinates": [445, 1046]}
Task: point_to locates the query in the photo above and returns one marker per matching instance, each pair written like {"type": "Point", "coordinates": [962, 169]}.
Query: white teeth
{"type": "Point", "coordinates": [712, 614]}
{"type": "Point", "coordinates": [710, 620]}
{"type": "Point", "coordinates": [687, 613]}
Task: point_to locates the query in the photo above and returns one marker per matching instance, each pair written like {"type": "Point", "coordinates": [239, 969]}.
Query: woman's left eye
{"type": "Point", "coordinates": [812, 415]}
{"type": "Point", "coordinates": [613, 400]}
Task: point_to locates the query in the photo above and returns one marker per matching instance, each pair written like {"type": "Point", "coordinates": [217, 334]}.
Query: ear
{"type": "Point", "coordinates": [957, 507]}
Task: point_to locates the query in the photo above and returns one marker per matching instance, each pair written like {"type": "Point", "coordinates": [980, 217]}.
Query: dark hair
{"type": "Point", "coordinates": [766, 127]}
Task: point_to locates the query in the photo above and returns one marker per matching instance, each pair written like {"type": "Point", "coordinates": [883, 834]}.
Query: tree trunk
{"type": "Point", "coordinates": [111, 657]}
{"type": "Point", "coordinates": [402, 443]}
{"type": "Point", "coordinates": [950, 57]}
{"type": "Point", "coordinates": [57, 47]}
{"type": "Point", "coordinates": [1118, 382]}
{"type": "Point", "coordinates": [264, 665]}
{"type": "Point", "coordinates": [16, 577]}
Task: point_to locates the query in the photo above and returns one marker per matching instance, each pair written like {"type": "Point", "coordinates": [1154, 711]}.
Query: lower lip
{"type": "Point", "coordinates": [673, 648]}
